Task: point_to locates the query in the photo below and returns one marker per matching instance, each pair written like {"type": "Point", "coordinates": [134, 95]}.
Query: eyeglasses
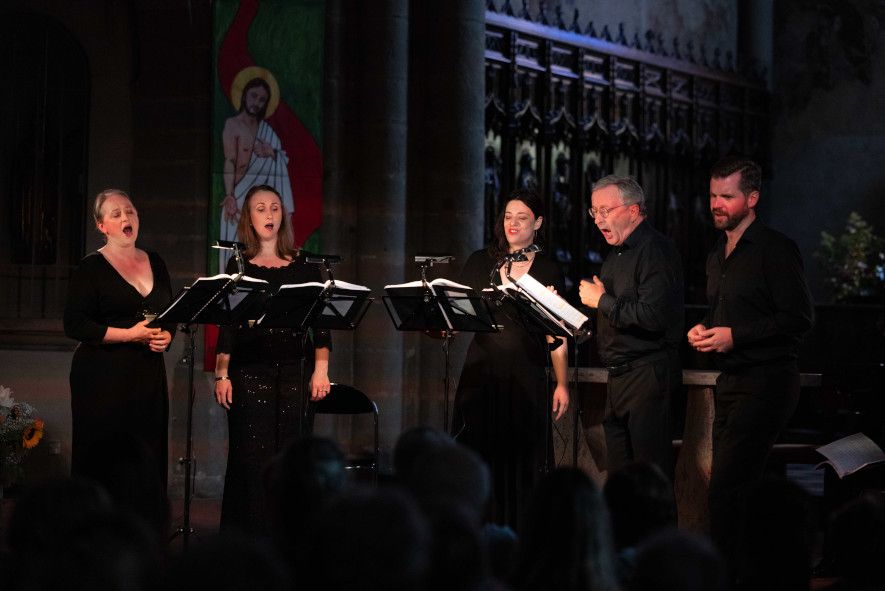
{"type": "Point", "coordinates": [604, 211]}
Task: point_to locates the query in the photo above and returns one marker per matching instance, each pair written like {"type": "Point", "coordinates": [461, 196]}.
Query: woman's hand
{"type": "Point", "coordinates": [560, 401]}
{"type": "Point", "coordinates": [160, 341]}
{"type": "Point", "coordinates": [224, 392]}
{"type": "Point", "coordinates": [319, 384]}
{"type": "Point", "coordinates": [140, 333]}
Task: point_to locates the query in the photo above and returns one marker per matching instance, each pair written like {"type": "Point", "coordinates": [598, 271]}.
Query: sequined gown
{"type": "Point", "coordinates": [268, 399]}
{"type": "Point", "coordinates": [501, 404]}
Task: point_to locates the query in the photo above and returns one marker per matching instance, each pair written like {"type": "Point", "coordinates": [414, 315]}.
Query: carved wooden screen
{"type": "Point", "coordinates": [564, 108]}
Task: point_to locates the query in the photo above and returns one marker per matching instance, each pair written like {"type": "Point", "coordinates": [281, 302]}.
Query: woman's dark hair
{"type": "Point", "coordinates": [533, 201]}
{"type": "Point", "coordinates": [286, 248]}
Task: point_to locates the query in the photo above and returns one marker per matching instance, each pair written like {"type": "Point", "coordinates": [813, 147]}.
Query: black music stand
{"type": "Point", "coordinates": [207, 301]}
{"type": "Point", "coordinates": [335, 305]}
{"type": "Point", "coordinates": [537, 318]}
{"type": "Point", "coordinates": [438, 306]}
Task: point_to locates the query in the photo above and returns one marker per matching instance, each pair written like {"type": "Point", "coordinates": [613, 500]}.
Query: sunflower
{"type": "Point", "coordinates": [32, 435]}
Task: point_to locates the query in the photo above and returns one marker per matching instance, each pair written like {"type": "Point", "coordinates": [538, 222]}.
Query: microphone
{"type": "Point", "coordinates": [228, 245]}
{"type": "Point", "coordinates": [520, 255]}
{"type": "Point", "coordinates": [514, 257]}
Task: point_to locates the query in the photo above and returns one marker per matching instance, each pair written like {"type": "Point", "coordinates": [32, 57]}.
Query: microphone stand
{"type": "Point", "coordinates": [189, 359]}
{"type": "Point", "coordinates": [518, 256]}
{"type": "Point", "coordinates": [425, 262]}
{"type": "Point", "coordinates": [326, 260]}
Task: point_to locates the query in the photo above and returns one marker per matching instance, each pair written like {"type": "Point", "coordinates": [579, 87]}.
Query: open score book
{"type": "Point", "coordinates": [556, 306]}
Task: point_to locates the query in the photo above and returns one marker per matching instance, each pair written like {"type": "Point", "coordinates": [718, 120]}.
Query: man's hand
{"type": "Point", "coordinates": [591, 292]}
{"type": "Point", "coordinates": [694, 333]}
{"type": "Point", "coordinates": [717, 339]}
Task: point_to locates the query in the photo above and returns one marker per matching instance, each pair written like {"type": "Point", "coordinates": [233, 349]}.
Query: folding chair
{"type": "Point", "coordinates": [347, 400]}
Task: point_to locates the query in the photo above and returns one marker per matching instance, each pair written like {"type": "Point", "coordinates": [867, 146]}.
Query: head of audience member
{"type": "Point", "coordinates": [68, 533]}
{"type": "Point", "coordinates": [640, 501]}
{"type": "Point", "coordinates": [227, 562]}
{"type": "Point", "coordinates": [49, 512]}
{"type": "Point", "coordinates": [452, 474]}
{"type": "Point", "coordinates": [673, 560]}
{"type": "Point", "coordinates": [566, 540]}
{"type": "Point", "coordinates": [457, 553]}
{"type": "Point", "coordinates": [735, 184]}
{"type": "Point", "coordinates": [127, 469]}
{"type": "Point", "coordinates": [370, 539]}
{"type": "Point", "coordinates": [412, 445]}
{"type": "Point", "coordinates": [617, 206]}
{"type": "Point", "coordinates": [856, 541]}
{"type": "Point", "coordinates": [518, 223]}
{"type": "Point", "coordinates": [306, 475]}
{"type": "Point", "coordinates": [774, 547]}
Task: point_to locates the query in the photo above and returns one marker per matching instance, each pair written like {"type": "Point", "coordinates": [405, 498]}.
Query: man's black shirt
{"type": "Point", "coordinates": [761, 293]}
{"type": "Point", "coordinates": [642, 309]}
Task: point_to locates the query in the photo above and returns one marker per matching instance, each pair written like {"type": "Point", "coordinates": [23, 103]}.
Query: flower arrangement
{"type": "Point", "coordinates": [20, 431]}
{"type": "Point", "coordinates": [854, 262]}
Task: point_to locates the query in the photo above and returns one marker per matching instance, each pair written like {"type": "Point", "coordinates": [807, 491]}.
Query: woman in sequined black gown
{"type": "Point", "coordinates": [259, 372]}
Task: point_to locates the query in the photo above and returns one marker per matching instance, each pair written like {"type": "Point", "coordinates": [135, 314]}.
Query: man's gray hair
{"type": "Point", "coordinates": [631, 192]}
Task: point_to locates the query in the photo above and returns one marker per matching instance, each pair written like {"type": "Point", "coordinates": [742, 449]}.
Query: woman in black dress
{"type": "Point", "coordinates": [501, 405]}
{"type": "Point", "coordinates": [258, 371]}
{"type": "Point", "coordinates": [118, 375]}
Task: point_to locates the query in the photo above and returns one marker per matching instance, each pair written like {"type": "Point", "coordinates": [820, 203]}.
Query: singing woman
{"type": "Point", "coordinates": [503, 397]}
{"type": "Point", "coordinates": [259, 372]}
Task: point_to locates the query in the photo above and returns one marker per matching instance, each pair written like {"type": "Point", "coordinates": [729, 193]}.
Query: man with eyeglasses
{"type": "Point", "coordinates": [640, 321]}
{"type": "Point", "coordinates": [759, 309]}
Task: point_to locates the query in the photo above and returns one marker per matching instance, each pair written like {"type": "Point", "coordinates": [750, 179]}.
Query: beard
{"type": "Point", "coordinates": [729, 222]}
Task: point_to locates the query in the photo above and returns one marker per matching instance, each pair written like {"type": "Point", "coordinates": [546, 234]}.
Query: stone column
{"type": "Point", "coordinates": [445, 182]}
{"type": "Point", "coordinates": [365, 194]}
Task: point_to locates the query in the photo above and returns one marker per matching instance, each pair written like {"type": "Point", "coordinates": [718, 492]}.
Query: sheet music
{"type": "Point", "coordinates": [433, 284]}
{"type": "Point", "coordinates": [338, 285]}
{"type": "Point", "coordinates": [850, 454]}
{"type": "Point", "coordinates": [558, 307]}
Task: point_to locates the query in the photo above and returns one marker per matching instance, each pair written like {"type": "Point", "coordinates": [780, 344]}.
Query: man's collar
{"type": "Point", "coordinates": [638, 234]}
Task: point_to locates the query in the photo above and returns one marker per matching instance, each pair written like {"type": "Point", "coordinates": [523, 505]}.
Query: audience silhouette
{"type": "Point", "coordinates": [566, 543]}
{"type": "Point", "coordinates": [672, 560]}
{"type": "Point", "coordinates": [641, 502]}
{"type": "Point", "coordinates": [426, 531]}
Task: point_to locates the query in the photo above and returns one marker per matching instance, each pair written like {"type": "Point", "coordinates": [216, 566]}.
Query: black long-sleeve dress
{"type": "Point", "coordinates": [503, 397]}
{"type": "Point", "coordinates": [116, 388]}
{"type": "Point", "coordinates": [269, 394]}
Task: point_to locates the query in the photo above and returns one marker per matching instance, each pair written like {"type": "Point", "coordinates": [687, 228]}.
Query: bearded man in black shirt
{"type": "Point", "coordinates": [640, 320]}
{"type": "Point", "coordinates": [760, 307]}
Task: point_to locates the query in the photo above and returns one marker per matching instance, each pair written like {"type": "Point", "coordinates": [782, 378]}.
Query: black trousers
{"type": "Point", "coordinates": [752, 407]}
{"type": "Point", "coordinates": [637, 422]}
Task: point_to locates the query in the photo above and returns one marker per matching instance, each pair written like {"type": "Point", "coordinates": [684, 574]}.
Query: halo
{"type": "Point", "coordinates": [244, 76]}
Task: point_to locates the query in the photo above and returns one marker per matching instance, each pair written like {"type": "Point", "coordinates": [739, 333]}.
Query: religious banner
{"type": "Point", "coordinates": [267, 76]}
